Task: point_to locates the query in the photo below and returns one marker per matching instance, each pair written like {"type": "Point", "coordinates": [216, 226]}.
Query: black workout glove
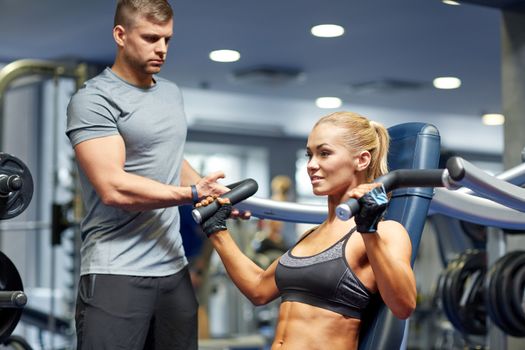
{"type": "Point", "coordinates": [372, 207]}
{"type": "Point", "coordinates": [217, 222]}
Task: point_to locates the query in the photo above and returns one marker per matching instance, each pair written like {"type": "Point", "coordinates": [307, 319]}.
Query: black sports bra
{"type": "Point", "coordinates": [324, 280]}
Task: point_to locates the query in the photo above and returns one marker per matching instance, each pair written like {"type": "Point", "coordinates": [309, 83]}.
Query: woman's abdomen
{"type": "Point", "coordinates": [305, 327]}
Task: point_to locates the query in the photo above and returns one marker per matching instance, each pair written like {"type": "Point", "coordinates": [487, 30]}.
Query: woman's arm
{"type": "Point", "coordinates": [256, 284]}
{"type": "Point", "coordinates": [389, 251]}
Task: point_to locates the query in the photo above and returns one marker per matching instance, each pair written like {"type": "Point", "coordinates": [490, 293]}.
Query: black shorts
{"type": "Point", "coordinates": [130, 312]}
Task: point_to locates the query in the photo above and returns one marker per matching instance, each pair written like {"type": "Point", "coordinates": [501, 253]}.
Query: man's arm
{"type": "Point", "coordinates": [102, 160]}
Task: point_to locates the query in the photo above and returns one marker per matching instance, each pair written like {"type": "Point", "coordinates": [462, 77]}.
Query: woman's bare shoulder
{"type": "Point", "coordinates": [392, 225]}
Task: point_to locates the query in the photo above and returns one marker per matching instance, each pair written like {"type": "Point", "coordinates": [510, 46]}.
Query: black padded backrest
{"type": "Point", "coordinates": [412, 146]}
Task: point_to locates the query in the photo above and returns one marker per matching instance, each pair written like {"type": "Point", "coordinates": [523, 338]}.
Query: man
{"type": "Point", "coordinates": [128, 130]}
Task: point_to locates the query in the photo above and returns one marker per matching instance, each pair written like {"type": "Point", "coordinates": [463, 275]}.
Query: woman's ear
{"type": "Point", "coordinates": [119, 34]}
{"type": "Point", "coordinates": [363, 160]}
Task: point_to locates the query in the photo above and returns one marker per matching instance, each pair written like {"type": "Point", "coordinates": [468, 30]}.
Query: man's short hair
{"type": "Point", "coordinates": [156, 11]}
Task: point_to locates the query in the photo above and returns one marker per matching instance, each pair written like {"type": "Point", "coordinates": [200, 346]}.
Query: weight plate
{"type": "Point", "coordinates": [9, 281]}
{"type": "Point", "coordinates": [511, 316]}
{"type": "Point", "coordinates": [461, 292]}
{"type": "Point", "coordinates": [467, 293]}
{"type": "Point", "coordinates": [15, 202]}
{"type": "Point", "coordinates": [517, 292]}
{"type": "Point", "coordinates": [446, 302]}
{"type": "Point", "coordinates": [493, 298]}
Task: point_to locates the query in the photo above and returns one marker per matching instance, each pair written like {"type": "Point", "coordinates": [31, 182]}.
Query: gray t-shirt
{"type": "Point", "coordinates": [153, 125]}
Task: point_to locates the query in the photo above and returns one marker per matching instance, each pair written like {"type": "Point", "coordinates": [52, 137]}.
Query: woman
{"type": "Point", "coordinates": [328, 278]}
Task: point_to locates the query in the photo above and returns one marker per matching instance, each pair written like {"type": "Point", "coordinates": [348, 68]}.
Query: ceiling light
{"type": "Point", "coordinates": [327, 30]}
{"type": "Point", "coordinates": [225, 56]}
{"type": "Point", "coordinates": [493, 119]}
{"type": "Point", "coordinates": [450, 2]}
{"type": "Point", "coordinates": [447, 83]}
{"type": "Point", "coordinates": [328, 102]}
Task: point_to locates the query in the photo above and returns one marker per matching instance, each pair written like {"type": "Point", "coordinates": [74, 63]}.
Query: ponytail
{"type": "Point", "coordinates": [378, 164]}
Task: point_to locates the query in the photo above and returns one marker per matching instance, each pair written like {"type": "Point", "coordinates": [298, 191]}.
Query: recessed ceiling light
{"type": "Point", "coordinates": [493, 119]}
{"type": "Point", "coordinates": [328, 102]}
{"type": "Point", "coordinates": [327, 30]}
{"type": "Point", "coordinates": [447, 83]}
{"type": "Point", "coordinates": [450, 2]}
{"type": "Point", "coordinates": [225, 56]}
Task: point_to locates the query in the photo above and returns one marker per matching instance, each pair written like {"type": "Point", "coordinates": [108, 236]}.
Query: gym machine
{"type": "Point", "coordinates": [470, 288]}
{"type": "Point", "coordinates": [488, 282]}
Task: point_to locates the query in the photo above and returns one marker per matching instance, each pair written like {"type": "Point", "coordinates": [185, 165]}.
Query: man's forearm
{"type": "Point", "coordinates": [136, 193]}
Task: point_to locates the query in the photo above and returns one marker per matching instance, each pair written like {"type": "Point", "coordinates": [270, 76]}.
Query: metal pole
{"type": "Point", "coordinates": [20, 68]}
{"type": "Point", "coordinates": [496, 248]}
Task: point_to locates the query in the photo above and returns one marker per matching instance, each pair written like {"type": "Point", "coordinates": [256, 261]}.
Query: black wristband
{"type": "Point", "coordinates": [194, 194]}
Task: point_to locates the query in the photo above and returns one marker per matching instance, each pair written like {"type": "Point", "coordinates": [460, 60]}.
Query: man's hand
{"type": "Point", "coordinates": [209, 187]}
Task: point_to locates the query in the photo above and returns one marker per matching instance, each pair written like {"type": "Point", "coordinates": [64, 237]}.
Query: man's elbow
{"type": "Point", "coordinates": [113, 198]}
{"type": "Point", "coordinates": [109, 198]}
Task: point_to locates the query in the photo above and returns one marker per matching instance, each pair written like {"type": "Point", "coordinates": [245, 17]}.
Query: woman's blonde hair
{"type": "Point", "coordinates": [363, 135]}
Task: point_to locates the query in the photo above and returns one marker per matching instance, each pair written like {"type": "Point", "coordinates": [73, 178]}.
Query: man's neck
{"type": "Point", "coordinates": [132, 76]}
